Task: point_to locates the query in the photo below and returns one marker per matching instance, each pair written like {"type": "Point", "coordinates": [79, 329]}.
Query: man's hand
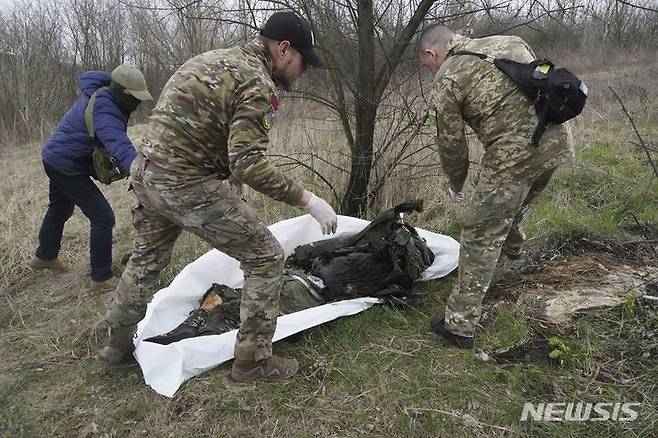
{"type": "Point", "coordinates": [321, 212]}
{"type": "Point", "coordinates": [456, 196]}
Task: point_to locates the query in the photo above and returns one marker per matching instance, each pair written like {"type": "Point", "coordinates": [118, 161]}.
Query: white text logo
{"type": "Point", "coordinates": [580, 411]}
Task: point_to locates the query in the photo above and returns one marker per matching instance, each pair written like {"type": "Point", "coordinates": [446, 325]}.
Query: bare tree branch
{"type": "Point", "coordinates": [637, 133]}
{"type": "Point", "coordinates": [401, 44]}
{"type": "Point", "coordinates": [636, 6]}
{"type": "Point", "coordinates": [155, 8]}
{"type": "Point", "coordinates": [322, 177]}
{"type": "Point", "coordinates": [532, 20]}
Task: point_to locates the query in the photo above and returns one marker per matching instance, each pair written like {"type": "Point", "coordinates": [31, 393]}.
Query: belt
{"type": "Point", "coordinates": [155, 168]}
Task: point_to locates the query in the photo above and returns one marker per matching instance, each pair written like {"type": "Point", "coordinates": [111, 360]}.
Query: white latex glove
{"type": "Point", "coordinates": [456, 196]}
{"type": "Point", "coordinates": [323, 213]}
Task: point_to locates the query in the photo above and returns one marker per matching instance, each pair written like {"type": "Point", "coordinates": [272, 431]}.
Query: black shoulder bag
{"type": "Point", "coordinates": [557, 94]}
{"type": "Point", "coordinates": [107, 167]}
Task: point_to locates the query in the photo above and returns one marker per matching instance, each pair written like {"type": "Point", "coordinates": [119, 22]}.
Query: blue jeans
{"type": "Point", "coordinates": [65, 192]}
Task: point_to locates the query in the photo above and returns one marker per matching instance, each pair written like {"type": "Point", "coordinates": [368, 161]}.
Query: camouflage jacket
{"type": "Point", "coordinates": [468, 90]}
{"type": "Point", "coordinates": [213, 118]}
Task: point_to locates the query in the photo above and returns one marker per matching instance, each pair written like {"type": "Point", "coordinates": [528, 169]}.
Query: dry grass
{"type": "Point", "coordinates": [381, 373]}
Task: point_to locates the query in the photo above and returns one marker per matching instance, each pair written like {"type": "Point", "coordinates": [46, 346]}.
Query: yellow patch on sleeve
{"type": "Point", "coordinates": [431, 118]}
{"type": "Point", "coordinates": [268, 118]}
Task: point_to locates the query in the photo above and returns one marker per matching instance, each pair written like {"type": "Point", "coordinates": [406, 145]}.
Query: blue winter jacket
{"type": "Point", "coordinates": [69, 148]}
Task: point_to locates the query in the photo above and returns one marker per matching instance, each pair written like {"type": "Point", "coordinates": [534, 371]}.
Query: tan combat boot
{"type": "Point", "coordinates": [274, 368]}
{"type": "Point", "coordinates": [119, 346]}
{"type": "Point", "coordinates": [110, 283]}
{"type": "Point", "coordinates": [53, 265]}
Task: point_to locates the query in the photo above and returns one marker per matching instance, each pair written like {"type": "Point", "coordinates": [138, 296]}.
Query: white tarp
{"type": "Point", "coordinates": [166, 367]}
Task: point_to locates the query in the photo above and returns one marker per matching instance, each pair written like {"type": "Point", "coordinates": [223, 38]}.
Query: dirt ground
{"type": "Point", "coordinates": [555, 283]}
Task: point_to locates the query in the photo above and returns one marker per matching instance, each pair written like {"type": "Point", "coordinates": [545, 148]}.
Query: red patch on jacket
{"type": "Point", "coordinates": [274, 101]}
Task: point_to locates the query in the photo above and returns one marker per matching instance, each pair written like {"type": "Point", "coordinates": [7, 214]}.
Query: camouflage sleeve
{"type": "Point", "coordinates": [248, 139]}
{"type": "Point", "coordinates": [450, 137]}
{"type": "Point", "coordinates": [531, 52]}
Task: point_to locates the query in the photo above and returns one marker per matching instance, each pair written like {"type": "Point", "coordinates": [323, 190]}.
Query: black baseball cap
{"type": "Point", "coordinates": [287, 26]}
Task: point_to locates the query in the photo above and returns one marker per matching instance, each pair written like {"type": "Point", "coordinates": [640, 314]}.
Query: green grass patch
{"type": "Point", "coordinates": [596, 193]}
{"type": "Point", "coordinates": [379, 373]}
{"type": "Point", "coordinates": [505, 330]}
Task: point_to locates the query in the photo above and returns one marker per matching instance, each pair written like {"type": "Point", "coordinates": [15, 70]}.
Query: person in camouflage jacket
{"type": "Point", "coordinates": [470, 91]}
{"type": "Point", "coordinates": [211, 126]}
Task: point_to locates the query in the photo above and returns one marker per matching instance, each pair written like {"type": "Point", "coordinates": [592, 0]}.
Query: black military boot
{"type": "Point", "coordinates": [187, 329]}
{"type": "Point", "coordinates": [438, 325]}
{"type": "Point", "coordinates": [119, 346]}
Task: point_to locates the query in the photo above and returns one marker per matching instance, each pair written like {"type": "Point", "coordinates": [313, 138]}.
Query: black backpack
{"type": "Point", "coordinates": [387, 253]}
{"type": "Point", "coordinates": [557, 94]}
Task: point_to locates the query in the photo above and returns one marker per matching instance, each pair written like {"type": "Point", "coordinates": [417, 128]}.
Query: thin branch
{"type": "Point", "coordinates": [383, 75]}
{"type": "Point", "coordinates": [651, 148]}
{"type": "Point", "coordinates": [644, 146]}
{"type": "Point", "coordinates": [636, 6]}
{"type": "Point", "coordinates": [301, 163]}
{"type": "Point", "coordinates": [532, 20]}
{"type": "Point", "coordinates": [155, 8]}
{"type": "Point", "coordinates": [301, 94]}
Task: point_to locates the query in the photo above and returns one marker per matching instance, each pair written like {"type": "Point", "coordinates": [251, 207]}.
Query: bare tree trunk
{"type": "Point", "coordinates": [370, 87]}
{"type": "Point", "coordinates": [355, 198]}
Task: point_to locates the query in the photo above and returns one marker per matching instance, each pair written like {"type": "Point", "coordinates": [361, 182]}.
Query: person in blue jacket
{"type": "Point", "coordinates": [67, 160]}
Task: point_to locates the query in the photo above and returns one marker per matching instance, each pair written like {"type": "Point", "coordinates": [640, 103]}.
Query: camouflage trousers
{"type": "Point", "coordinates": [211, 209]}
{"type": "Point", "coordinates": [493, 220]}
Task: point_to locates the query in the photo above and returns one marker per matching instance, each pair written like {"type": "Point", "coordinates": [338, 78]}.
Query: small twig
{"type": "Point", "coordinates": [649, 146]}
{"type": "Point", "coordinates": [461, 417]}
{"type": "Point", "coordinates": [409, 306]}
{"type": "Point", "coordinates": [151, 8]}
{"type": "Point", "coordinates": [533, 19]}
{"type": "Point", "coordinates": [636, 6]}
{"type": "Point", "coordinates": [642, 143]}
{"type": "Point", "coordinates": [395, 351]}
{"type": "Point", "coordinates": [352, 398]}
{"type": "Point", "coordinates": [319, 175]}
{"type": "Point", "coordinates": [642, 228]}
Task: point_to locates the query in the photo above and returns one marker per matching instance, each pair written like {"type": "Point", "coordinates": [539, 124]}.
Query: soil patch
{"type": "Point", "coordinates": [557, 281]}
{"type": "Point", "coordinates": [535, 350]}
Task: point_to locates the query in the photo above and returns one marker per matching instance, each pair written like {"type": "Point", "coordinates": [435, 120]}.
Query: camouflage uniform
{"type": "Point", "coordinates": [468, 90]}
{"type": "Point", "coordinates": [211, 122]}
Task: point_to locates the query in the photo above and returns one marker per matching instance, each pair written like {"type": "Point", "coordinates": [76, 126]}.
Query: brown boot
{"type": "Point", "coordinates": [274, 368]}
{"type": "Point", "coordinates": [110, 283]}
{"type": "Point", "coordinates": [53, 265]}
{"type": "Point", "coordinates": [119, 346]}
